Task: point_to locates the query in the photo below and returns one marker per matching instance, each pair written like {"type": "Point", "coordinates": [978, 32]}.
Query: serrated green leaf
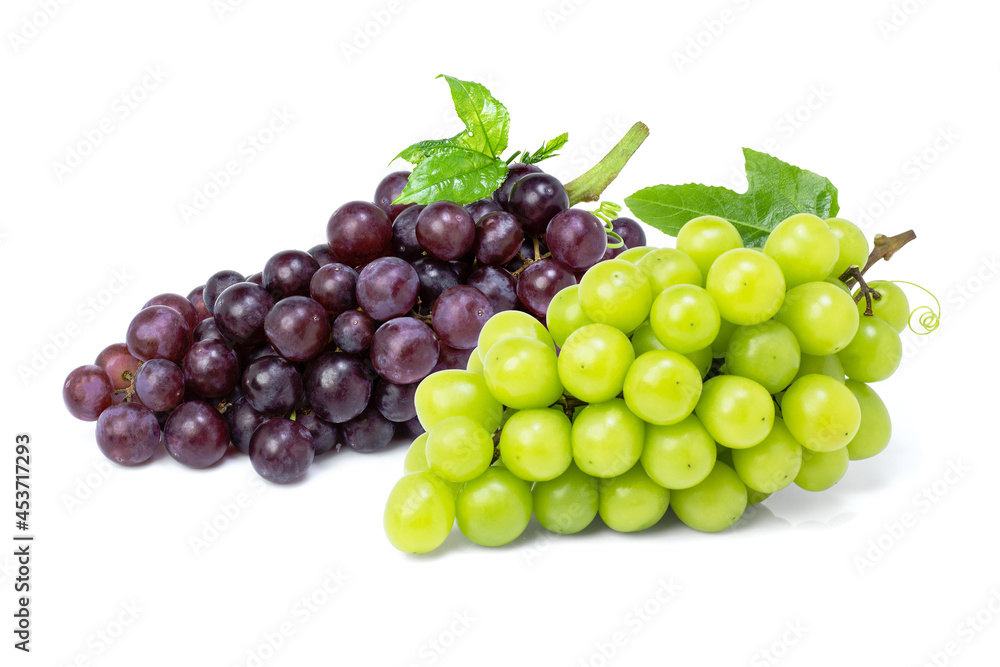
{"type": "Point", "coordinates": [547, 150]}
{"type": "Point", "coordinates": [460, 175]}
{"type": "Point", "coordinates": [776, 190]}
{"type": "Point", "coordinates": [487, 122]}
{"type": "Point", "coordinates": [416, 153]}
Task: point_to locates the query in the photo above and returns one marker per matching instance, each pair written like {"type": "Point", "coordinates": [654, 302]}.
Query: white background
{"type": "Point", "coordinates": [879, 96]}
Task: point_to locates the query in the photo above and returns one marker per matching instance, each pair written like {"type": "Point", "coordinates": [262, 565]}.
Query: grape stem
{"type": "Point", "coordinates": [569, 405]}
{"type": "Point", "coordinates": [853, 273]}
{"type": "Point", "coordinates": [589, 186]}
{"type": "Point", "coordinates": [885, 248]}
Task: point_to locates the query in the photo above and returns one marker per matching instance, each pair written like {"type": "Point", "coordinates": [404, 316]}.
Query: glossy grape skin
{"type": "Point", "coordinates": [577, 238]}
{"type": "Point", "coordinates": [128, 433]}
{"type": "Point", "coordinates": [494, 508]}
{"type": "Point", "coordinates": [395, 401]}
{"type": "Point", "coordinates": [738, 412]}
{"type": "Point", "coordinates": [822, 317]}
{"type": "Point", "coordinates": [243, 420]}
{"type": "Point", "coordinates": [387, 287]}
{"type": "Point", "coordinates": [120, 366]}
{"type": "Point", "coordinates": [215, 285]}
{"type": "Point", "coordinates": [821, 470]}
{"type": "Point", "coordinates": [159, 385]}
{"type": "Point", "coordinates": [178, 303]}
{"type": "Point", "coordinates": [666, 267]}
{"type": "Point", "coordinates": [630, 231]}
{"type": "Point", "coordinates": [644, 340]}
{"type": "Point", "coordinates": [458, 449]}
{"type": "Point", "coordinates": [617, 293]}
{"type": "Point", "coordinates": [772, 464]}
{"type": "Point", "coordinates": [678, 456]}
{"type": "Point", "coordinates": [388, 190]}
{"type": "Point", "coordinates": [353, 331]}
{"type": "Point", "coordinates": [281, 450]}
{"type": "Point", "coordinates": [804, 248]}
{"type": "Point", "coordinates": [435, 277]}
{"type": "Point", "coordinates": [334, 287]}
{"type": "Point", "coordinates": [685, 318]}
{"type": "Point", "coordinates": [158, 332]}
{"type": "Point", "coordinates": [419, 513]}
{"type": "Point", "coordinates": [508, 325]}
{"type": "Point", "coordinates": [445, 230]}
{"type": "Point", "coordinates": [459, 315]}
{"type": "Point", "coordinates": [828, 365]}
{"type": "Point", "coordinates": [540, 282]}
{"type": "Point", "coordinates": [565, 314]}
{"type": "Point", "coordinates": [240, 311]}
{"type": "Point", "coordinates": [88, 392]}
{"type": "Point", "coordinates": [766, 353]}
{"type": "Point", "coordinates": [455, 392]}
{"type": "Point", "coordinates": [272, 386]}
{"type": "Point", "coordinates": [522, 373]}
{"type": "Point", "coordinates": [358, 232]}
{"type": "Point", "coordinates": [715, 503]}
{"type": "Point", "coordinates": [515, 172]}
{"type": "Point", "coordinates": [705, 238]}
{"type": "Point", "coordinates": [207, 330]}
{"type": "Point", "coordinates": [404, 350]}
{"type": "Point", "coordinates": [288, 273]}
{"type": "Point", "coordinates": [298, 328]}
{"type": "Point", "coordinates": [197, 299]}
{"type": "Point", "coordinates": [748, 286]}
{"type": "Point", "coordinates": [875, 430]}
{"type": "Point", "coordinates": [369, 431]}
{"type": "Point", "coordinates": [498, 239]}
{"type": "Point", "coordinates": [404, 234]}
{"type": "Point", "coordinates": [874, 353]}
{"type": "Point", "coordinates": [337, 386]}
{"type": "Point", "coordinates": [497, 284]}
{"type": "Point", "coordinates": [821, 413]}
{"type": "Point", "coordinates": [321, 253]}
{"type": "Point", "coordinates": [891, 306]}
{"type": "Point", "coordinates": [482, 207]}
{"type": "Point", "coordinates": [196, 434]}
{"type": "Point", "coordinates": [851, 243]}
{"type": "Point", "coordinates": [568, 503]}
{"type": "Point", "coordinates": [633, 255]}
{"type": "Point", "coordinates": [535, 200]}
{"type": "Point", "coordinates": [211, 369]}
{"type": "Point", "coordinates": [256, 278]}
{"type": "Point", "coordinates": [662, 387]}
{"type": "Point", "coordinates": [450, 358]}
{"type": "Point", "coordinates": [326, 436]}
{"type": "Point", "coordinates": [594, 361]}
{"type": "Point", "coordinates": [535, 445]}
{"type": "Point", "coordinates": [607, 438]}
{"type": "Point", "coordinates": [631, 501]}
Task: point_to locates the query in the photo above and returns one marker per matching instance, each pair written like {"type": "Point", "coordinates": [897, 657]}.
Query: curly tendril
{"type": "Point", "coordinates": [927, 318]}
{"type": "Point", "coordinates": [607, 212]}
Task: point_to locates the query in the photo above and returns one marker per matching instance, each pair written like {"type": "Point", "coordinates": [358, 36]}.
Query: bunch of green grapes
{"type": "Point", "coordinates": [702, 378]}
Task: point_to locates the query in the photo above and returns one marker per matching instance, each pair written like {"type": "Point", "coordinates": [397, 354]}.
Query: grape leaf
{"type": "Point", "coordinates": [547, 150]}
{"type": "Point", "coordinates": [487, 122]}
{"type": "Point", "coordinates": [459, 175]}
{"type": "Point", "coordinates": [776, 190]}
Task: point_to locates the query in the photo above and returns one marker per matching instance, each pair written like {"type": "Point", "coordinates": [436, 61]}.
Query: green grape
{"type": "Point", "coordinates": [523, 373]}
{"type": "Point", "coordinates": [679, 455]}
{"type": "Point", "coordinates": [852, 244]}
{"type": "Point", "coordinates": [715, 503]}
{"type": "Point", "coordinates": [685, 318]}
{"type": "Point", "coordinates": [616, 292]}
{"type": "Point", "coordinates": [494, 508]}
{"type": "Point", "coordinates": [754, 496]}
{"type": "Point", "coordinates": [535, 445]}
{"type": "Point", "coordinates": [821, 470]}
{"type": "Point", "coordinates": [822, 317]}
{"type": "Point", "coordinates": [892, 306]}
{"type": "Point", "coordinates": [565, 314]}
{"type": "Point", "coordinates": [876, 427]}
{"type": "Point", "coordinates": [721, 342]}
{"type": "Point", "coordinates": [766, 353]}
{"type": "Point", "coordinates": [453, 393]}
{"type": "Point", "coordinates": [458, 449]}
{"type": "Point", "coordinates": [644, 340]}
{"type": "Point", "coordinates": [593, 362]}
{"type": "Point", "coordinates": [747, 286]}
{"type": "Point", "coordinates": [839, 284]}
{"type": "Point", "coordinates": [804, 247]}
{"type": "Point", "coordinates": [568, 503]}
{"type": "Point", "coordinates": [875, 352]}
{"type": "Point", "coordinates": [773, 464]}
{"type": "Point", "coordinates": [821, 413]}
{"type": "Point", "coordinates": [737, 412]}
{"type": "Point", "coordinates": [702, 360]}
{"type": "Point", "coordinates": [703, 239]}
{"type": "Point", "coordinates": [510, 324]}
{"type": "Point", "coordinates": [416, 455]}
{"type": "Point", "coordinates": [662, 387]}
{"type": "Point", "coordinates": [633, 255]}
{"type": "Point", "coordinates": [724, 454]}
{"type": "Point", "coordinates": [475, 363]}
{"type": "Point", "coordinates": [607, 438]}
{"type": "Point", "coordinates": [419, 513]}
{"type": "Point", "coordinates": [632, 501]}
{"type": "Point", "coordinates": [828, 365]}
{"type": "Point", "coordinates": [666, 267]}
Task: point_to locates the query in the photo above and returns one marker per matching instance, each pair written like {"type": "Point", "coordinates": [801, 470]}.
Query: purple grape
{"type": "Point", "coordinates": [159, 385]}
{"type": "Point", "coordinates": [120, 366]}
{"type": "Point", "coordinates": [498, 238]}
{"type": "Point", "coordinates": [259, 352]}
{"type": "Point", "coordinates": [240, 311]}
{"type": "Point", "coordinates": [272, 386]}
{"type": "Point", "coordinates": [535, 199]}
{"type": "Point", "coordinates": [411, 428]}
{"type": "Point", "coordinates": [481, 207]}
{"type": "Point", "coordinates": [216, 284]}
{"type": "Point", "coordinates": [631, 232]}
{"type": "Point", "coordinates": [353, 331]}
{"type": "Point", "coordinates": [445, 230]}
{"type": "Point", "coordinates": [459, 315]}
{"type": "Point", "coordinates": [462, 268]}
{"type": "Point", "coordinates": [322, 254]}
{"type": "Point", "coordinates": [128, 433]}
{"type": "Point", "coordinates": [453, 358]}
{"type": "Point", "coordinates": [527, 252]}
{"type": "Point", "coordinates": [611, 253]}
{"type": "Point", "coordinates": [515, 172]}
{"type": "Point", "coordinates": [404, 350]}
{"type": "Point", "coordinates": [395, 401]}
{"type": "Point", "coordinates": [255, 278]}
{"type": "Point", "coordinates": [358, 232]}
{"type": "Point", "coordinates": [178, 303]}
{"type": "Point", "coordinates": [540, 282]}
{"type": "Point", "coordinates": [281, 450]}
{"type": "Point", "coordinates": [369, 431]}
{"type": "Point", "coordinates": [326, 436]}
{"type": "Point", "coordinates": [298, 328]}
{"type": "Point", "coordinates": [387, 288]}
{"type": "Point", "coordinates": [388, 189]}
{"type": "Point", "coordinates": [196, 434]}
{"type": "Point", "coordinates": [87, 392]}
{"type": "Point", "coordinates": [158, 332]}
{"type": "Point", "coordinates": [334, 287]}
{"type": "Point", "coordinates": [498, 285]}
{"type": "Point", "coordinates": [404, 234]}
{"type": "Point", "coordinates": [577, 238]}
{"type": "Point", "coordinates": [197, 299]}
{"type": "Point", "coordinates": [435, 277]}
{"type": "Point", "coordinates": [288, 273]}
{"type": "Point", "coordinates": [243, 420]}
{"type": "Point", "coordinates": [207, 330]}
{"type": "Point", "coordinates": [337, 386]}
{"type": "Point", "coordinates": [211, 369]}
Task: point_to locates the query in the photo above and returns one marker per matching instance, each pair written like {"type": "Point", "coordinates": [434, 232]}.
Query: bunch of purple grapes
{"type": "Point", "coordinates": [325, 348]}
